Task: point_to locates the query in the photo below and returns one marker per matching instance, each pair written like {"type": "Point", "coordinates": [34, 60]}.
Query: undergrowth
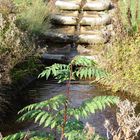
{"type": "Point", "coordinates": [14, 45]}
{"type": "Point", "coordinates": [57, 113]}
{"type": "Point", "coordinates": [130, 14]}
{"type": "Point", "coordinates": [123, 63]}
{"type": "Point", "coordinates": [34, 15]}
{"type": "Point", "coordinates": [121, 56]}
{"type": "Point", "coordinates": [30, 67]}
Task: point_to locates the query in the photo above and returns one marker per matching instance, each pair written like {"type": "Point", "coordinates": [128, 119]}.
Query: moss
{"type": "Point", "coordinates": [29, 67]}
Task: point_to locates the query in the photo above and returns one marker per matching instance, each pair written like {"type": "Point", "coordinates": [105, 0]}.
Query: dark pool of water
{"type": "Point", "coordinates": [41, 90]}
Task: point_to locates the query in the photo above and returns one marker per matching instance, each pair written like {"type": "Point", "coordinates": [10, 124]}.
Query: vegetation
{"type": "Point", "coordinates": [123, 63]}
{"type": "Point", "coordinates": [57, 112]}
{"type": "Point", "coordinates": [18, 21]}
{"type": "Point", "coordinates": [122, 57]}
{"type": "Point", "coordinates": [130, 10]}
{"type": "Point", "coordinates": [17, 45]}
{"type": "Point", "coordinates": [21, 24]}
{"type": "Point", "coordinates": [30, 67]}
{"type": "Point", "coordinates": [74, 128]}
{"type": "Point", "coordinates": [128, 122]}
{"type": "Point", "coordinates": [85, 69]}
{"type": "Point", "coordinates": [33, 15]}
{"type": "Point", "coordinates": [14, 44]}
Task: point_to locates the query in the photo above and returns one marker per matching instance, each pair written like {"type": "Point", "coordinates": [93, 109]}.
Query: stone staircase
{"type": "Point", "coordinates": [79, 22]}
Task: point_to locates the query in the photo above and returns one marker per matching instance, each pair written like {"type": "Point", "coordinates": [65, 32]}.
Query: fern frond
{"type": "Point", "coordinates": [87, 68]}
{"type": "Point", "coordinates": [63, 75]}
{"type": "Point", "coordinates": [32, 135]}
{"type": "Point", "coordinates": [75, 135]}
{"type": "Point", "coordinates": [82, 61]}
{"type": "Point", "coordinates": [17, 136]}
{"type": "Point", "coordinates": [46, 118]}
{"type": "Point", "coordinates": [81, 135]}
{"type": "Point", "coordinates": [53, 70]}
{"type": "Point", "coordinates": [93, 105]}
{"type": "Point", "coordinates": [33, 114]}
{"type": "Point", "coordinates": [56, 100]}
{"type": "Point", "coordinates": [90, 72]}
{"type": "Point", "coordinates": [83, 68]}
{"type": "Point", "coordinates": [42, 117]}
{"type": "Point", "coordinates": [73, 124]}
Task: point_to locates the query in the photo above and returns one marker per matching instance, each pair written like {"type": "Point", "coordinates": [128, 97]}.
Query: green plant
{"type": "Point", "coordinates": [14, 45]}
{"type": "Point", "coordinates": [57, 112]}
{"type": "Point", "coordinates": [33, 15]}
{"type": "Point", "coordinates": [80, 67]}
{"type": "Point", "coordinates": [54, 111]}
{"type": "Point", "coordinates": [130, 13]}
{"type": "Point", "coordinates": [123, 63]}
{"type": "Point", "coordinates": [30, 66]}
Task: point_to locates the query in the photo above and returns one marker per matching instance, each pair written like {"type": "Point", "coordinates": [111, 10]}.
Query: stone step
{"type": "Point", "coordinates": [96, 38]}
{"type": "Point", "coordinates": [61, 58]}
{"type": "Point", "coordinates": [75, 5]}
{"type": "Point", "coordinates": [92, 39]}
{"type": "Point", "coordinates": [101, 19]}
{"type": "Point", "coordinates": [68, 13]}
{"type": "Point", "coordinates": [82, 30]}
{"type": "Point", "coordinates": [84, 13]}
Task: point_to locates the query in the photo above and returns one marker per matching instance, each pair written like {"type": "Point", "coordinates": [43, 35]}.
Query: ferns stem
{"type": "Point", "coordinates": [65, 105]}
{"type": "Point", "coordinates": [64, 123]}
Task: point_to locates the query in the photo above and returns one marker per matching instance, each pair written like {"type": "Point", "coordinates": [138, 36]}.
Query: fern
{"type": "Point", "coordinates": [44, 112]}
{"type": "Point", "coordinates": [57, 102]}
{"type": "Point", "coordinates": [83, 61]}
{"type": "Point", "coordinates": [82, 68]}
{"type": "Point", "coordinates": [54, 119]}
{"type": "Point", "coordinates": [89, 106]}
{"type": "Point", "coordinates": [17, 136]}
{"type": "Point", "coordinates": [57, 113]}
{"type": "Point", "coordinates": [61, 72]}
{"type": "Point", "coordinates": [32, 135]}
{"type": "Point", "coordinates": [93, 105]}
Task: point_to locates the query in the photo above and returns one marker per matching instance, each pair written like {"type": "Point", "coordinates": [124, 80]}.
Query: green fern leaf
{"type": "Point", "coordinates": [29, 115]}
{"type": "Point", "coordinates": [57, 102]}
{"type": "Point", "coordinates": [43, 119]}
{"type": "Point", "coordinates": [93, 105]}
{"type": "Point", "coordinates": [33, 135]}
{"type": "Point", "coordinates": [17, 136]}
{"type": "Point", "coordinates": [48, 122]}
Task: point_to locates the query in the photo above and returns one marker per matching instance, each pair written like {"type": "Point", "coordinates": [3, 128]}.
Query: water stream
{"type": "Point", "coordinates": [41, 90]}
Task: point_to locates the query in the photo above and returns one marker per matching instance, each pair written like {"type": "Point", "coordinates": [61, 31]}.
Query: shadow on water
{"type": "Point", "coordinates": [41, 90]}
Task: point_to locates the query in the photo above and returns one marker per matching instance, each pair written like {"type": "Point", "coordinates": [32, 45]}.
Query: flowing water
{"type": "Point", "coordinates": [41, 90]}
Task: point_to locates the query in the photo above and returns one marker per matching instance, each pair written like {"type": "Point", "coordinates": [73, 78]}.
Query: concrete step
{"type": "Point", "coordinates": [100, 19]}
{"type": "Point", "coordinates": [64, 58]}
{"type": "Point", "coordinates": [94, 38]}
{"type": "Point", "coordinates": [82, 29]}
{"type": "Point", "coordinates": [75, 5]}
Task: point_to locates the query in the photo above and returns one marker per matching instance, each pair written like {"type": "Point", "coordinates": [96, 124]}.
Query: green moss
{"type": "Point", "coordinates": [29, 67]}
